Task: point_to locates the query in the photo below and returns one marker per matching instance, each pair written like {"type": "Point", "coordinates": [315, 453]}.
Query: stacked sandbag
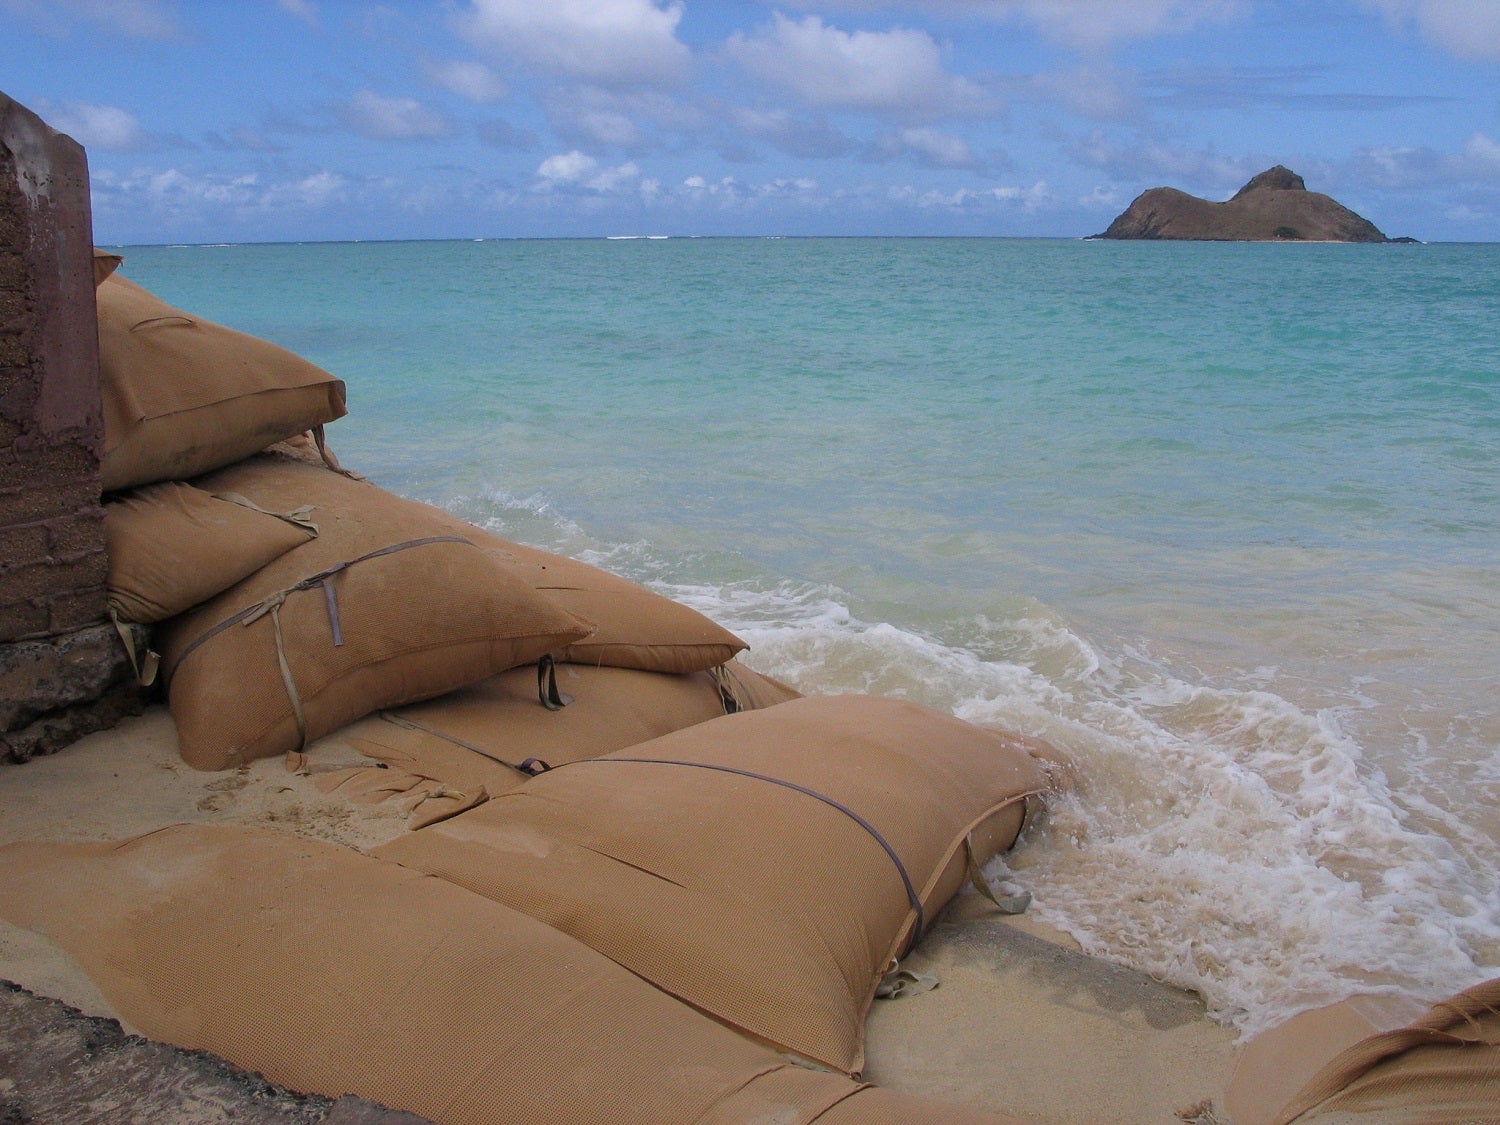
{"type": "Point", "coordinates": [331, 972]}
{"type": "Point", "coordinates": [171, 546]}
{"type": "Point", "coordinates": [253, 667]}
{"type": "Point", "coordinates": [304, 685]}
{"type": "Point", "coordinates": [1443, 1069]}
{"type": "Point", "coordinates": [350, 622]}
{"type": "Point", "coordinates": [495, 735]}
{"type": "Point", "coordinates": [765, 867]}
{"type": "Point", "coordinates": [637, 628]}
{"type": "Point", "coordinates": [183, 395]}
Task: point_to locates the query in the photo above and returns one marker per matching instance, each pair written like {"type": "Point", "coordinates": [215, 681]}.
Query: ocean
{"type": "Point", "coordinates": [1221, 521]}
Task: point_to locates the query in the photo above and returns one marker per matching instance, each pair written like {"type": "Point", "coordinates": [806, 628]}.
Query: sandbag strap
{"type": "Point", "coordinates": [265, 605]}
{"type": "Point", "coordinates": [327, 454]}
{"type": "Point", "coordinates": [911, 892]}
{"type": "Point", "coordinates": [729, 690]}
{"type": "Point", "coordinates": [152, 321]}
{"type": "Point", "coordinates": [1006, 904]}
{"type": "Point", "coordinates": [530, 767]}
{"type": "Point", "coordinates": [289, 682]}
{"type": "Point", "coordinates": [899, 982]}
{"type": "Point", "coordinates": [297, 517]}
{"type": "Point", "coordinates": [145, 666]}
{"type": "Point", "coordinates": [546, 685]}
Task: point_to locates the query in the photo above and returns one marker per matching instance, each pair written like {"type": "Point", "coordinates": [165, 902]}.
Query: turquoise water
{"type": "Point", "coordinates": [1221, 520]}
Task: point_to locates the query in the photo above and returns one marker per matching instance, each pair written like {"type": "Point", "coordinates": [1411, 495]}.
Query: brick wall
{"type": "Point", "coordinates": [61, 671]}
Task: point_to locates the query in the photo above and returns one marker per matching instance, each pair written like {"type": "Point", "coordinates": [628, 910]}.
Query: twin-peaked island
{"type": "Point", "coordinates": [1274, 206]}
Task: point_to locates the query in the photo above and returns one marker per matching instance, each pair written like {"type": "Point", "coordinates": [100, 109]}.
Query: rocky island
{"type": "Point", "coordinates": [1274, 206]}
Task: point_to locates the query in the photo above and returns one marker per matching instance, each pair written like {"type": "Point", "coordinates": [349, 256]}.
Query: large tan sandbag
{"type": "Point", "coordinates": [171, 546]}
{"type": "Point", "coordinates": [183, 395]}
{"type": "Point", "coordinates": [637, 628]}
{"type": "Point", "coordinates": [1443, 1069]}
{"type": "Point", "coordinates": [766, 867]}
{"type": "Point", "coordinates": [385, 607]}
{"type": "Point", "coordinates": [331, 972]}
{"type": "Point", "coordinates": [443, 756]}
{"type": "Point", "coordinates": [498, 733]}
{"type": "Point", "coordinates": [633, 626]}
{"type": "Point", "coordinates": [751, 690]}
{"type": "Point", "coordinates": [105, 264]}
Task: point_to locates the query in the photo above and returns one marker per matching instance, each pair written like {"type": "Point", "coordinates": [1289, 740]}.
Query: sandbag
{"type": "Point", "coordinates": [385, 607]}
{"type": "Point", "coordinates": [497, 733]}
{"type": "Point", "coordinates": [443, 756]}
{"type": "Point", "coordinates": [105, 264]}
{"type": "Point", "coordinates": [331, 972]}
{"type": "Point", "coordinates": [183, 395]}
{"type": "Point", "coordinates": [751, 690]}
{"type": "Point", "coordinates": [765, 867]}
{"type": "Point", "coordinates": [635, 627]}
{"type": "Point", "coordinates": [171, 546]}
{"type": "Point", "coordinates": [1443, 1069]}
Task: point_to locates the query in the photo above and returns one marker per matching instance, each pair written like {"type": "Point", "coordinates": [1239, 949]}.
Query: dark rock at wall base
{"type": "Point", "coordinates": [56, 690]}
{"type": "Point", "coordinates": [57, 1064]}
{"type": "Point", "coordinates": [1274, 206]}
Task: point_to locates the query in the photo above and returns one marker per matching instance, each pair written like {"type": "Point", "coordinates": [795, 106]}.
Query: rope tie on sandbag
{"type": "Point", "coordinates": [152, 321]}
{"type": "Point", "coordinates": [546, 685]}
{"type": "Point", "coordinates": [1006, 904]}
{"type": "Point", "coordinates": [271, 606]}
{"type": "Point", "coordinates": [729, 690]}
{"type": "Point", "coordinates": [327, 454]}
{"type": "Point", "coordinates": [297, 517]}
{"type": "Point", "coordinates": [911, 891]}
{"type": "Point", "coordinates": [144, 665]}
{"type": "Point", "coordinates": [530, 767]}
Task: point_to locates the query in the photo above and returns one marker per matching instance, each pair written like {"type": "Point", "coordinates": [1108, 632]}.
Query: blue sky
{"type": "Point", "coordinates": [270, 120]}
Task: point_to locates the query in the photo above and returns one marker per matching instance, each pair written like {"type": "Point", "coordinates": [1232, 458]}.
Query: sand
{"type": "Point", "coordinates": [1020, 1023]}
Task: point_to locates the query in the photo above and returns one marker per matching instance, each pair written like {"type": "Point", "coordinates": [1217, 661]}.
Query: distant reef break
{"type": "Point", "coordinates": [1274, 206]}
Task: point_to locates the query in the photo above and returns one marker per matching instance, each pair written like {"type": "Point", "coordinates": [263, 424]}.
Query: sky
{"type": "Point", "coordinates": [314, 120]}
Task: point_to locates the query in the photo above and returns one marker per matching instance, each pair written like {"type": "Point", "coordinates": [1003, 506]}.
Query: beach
{"type": "Point", "coordinates": [1237, 569]}
{"type": "Point", "coordinates": [1016, 1008]}
{"type": "Point", "coordinates": [1218, 520]}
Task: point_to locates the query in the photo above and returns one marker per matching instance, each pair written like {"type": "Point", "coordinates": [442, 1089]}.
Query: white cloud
{"type": "Point", "coordinates": [638, 121]}
{"type": "Point", "coordinates": [105, 127]}
{"type": "Point", "coordinates": [728, 193]}
{"type": "Point", "coordinates": [804, 138]}
{"type": "Point", "coordinates": [1484, 154]}
{"type": "Point", "coordinates": [1097, 93]}
{"type": "Point", "coordinates": [134, 19]}
{"type": "Point", "coordinates": [316, 190]}
{"type": "Point", "coordinates": [502, 134]}
{"type": "Point", "coordinates": [576, 170]}
{"type": "Point", "coordinates": [926, 146]}
{"type": "Point", "coordinates": [1094, 25]}
{"type": "Point", "coordinates": [611, 42]}
{"type": "Point", "coordinates": [1469, 29]}
{"type": "Point", "coordinates": [1153, 163]}
{"type": "Point", "coordinates": [611, 180]}
{"type": "Point", "coordinates": [392, 119]}
{"type": "Point", "coordinates": [1413, 168]}
{"type": "Point", "coordinates": [468, 79]}
{"type": "Point", "coordinates": [302, 9]}
{"type": "Point", "coordinates": [187, 196]}
{"type": "Point", "coordinates": [1031, 199]}
{"type": "Point", "coordinates": [594, 118]}
{"type": "Point", "coordinates": [897, 73]}
{"type": "Point", "coordinates": [1089, 25]}
{"type": "Point", "coordinates": [566, 167]}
